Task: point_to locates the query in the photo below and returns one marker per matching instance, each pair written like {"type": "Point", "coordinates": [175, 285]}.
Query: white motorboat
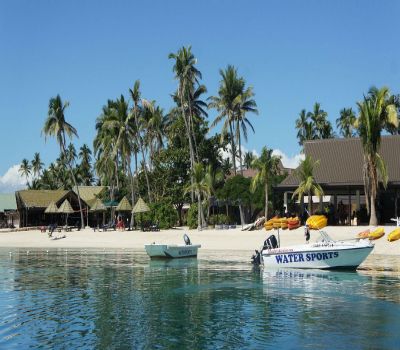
{"type": "Point", "coordinates": [324, 254]}
{"type": "Point", "coordinates": [172, 250]}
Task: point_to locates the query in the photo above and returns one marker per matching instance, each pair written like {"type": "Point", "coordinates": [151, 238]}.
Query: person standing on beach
{"type": "Point", "coordinates": [307, 233]}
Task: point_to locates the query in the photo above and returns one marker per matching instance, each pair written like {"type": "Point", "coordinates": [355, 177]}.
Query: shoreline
{"type": "Point", "coordinates": [237, 244]}
{"type": "Point", "coordinates": [210, 239]}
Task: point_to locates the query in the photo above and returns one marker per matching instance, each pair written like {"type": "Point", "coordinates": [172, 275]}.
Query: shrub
{"type": "Point", "coordinates": [163, 213]}
{"type": "Point", "coordinates": [219, 219]}
{"type": "Point", "coordinates": [192, 216]}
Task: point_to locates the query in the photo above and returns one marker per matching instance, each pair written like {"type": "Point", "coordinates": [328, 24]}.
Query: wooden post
{"type": "Point", "coordinates": [349, 213]}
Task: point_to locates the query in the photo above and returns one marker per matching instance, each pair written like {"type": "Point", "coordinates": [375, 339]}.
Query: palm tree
{"type": "Point", "coordinates": [267, 166]}
{"type": "Point", "coordinates": [244, 104]}
{"type": "Point", "coordinates": [135, 114]}
{"type": "Point", "coordinates": [85, 156]}
{"type": "Point", "coordinates": [304, 128]}
{"type": "Point", "coordinates": [345, 123]}
{"type": "Point", "coordinates": [56, 126]}
{"type": "Point", "coordinates": [107, 161]}
{"type": "Point", "coordinates": [25, 169]}
{"type": "Point", "coordinates": [37, 164]}
{"type": "Point", "coordinates": [231, 86]}
{"type": "Point", "coordinates": [200, 188]}
{"type": "Point", "coordinates": [248, 159]}
{"type": "Point", "coordinates": [307, 183]}
{"type": "Point", "coordinates": [375, 114]}
{"type": "Point", "coordinates": [188, 77]}
{"type": "Point", "coordinates": [212, 178]}
{"type": "Point", "coordinates": [322, 126]}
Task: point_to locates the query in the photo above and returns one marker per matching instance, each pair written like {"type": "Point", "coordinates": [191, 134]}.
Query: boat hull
{"type": "Point", "coordinates": [318, 257]}
{"type": "Point", "coordinates": [171, 251]}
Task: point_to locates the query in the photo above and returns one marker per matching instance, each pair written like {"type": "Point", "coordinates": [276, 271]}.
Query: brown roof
{"type": "Point", "coordinates": [39, 198]}
{"type": "Point", "coordinates": [89, 193]}
{"type": "Point", "coordinates": [341, 161]}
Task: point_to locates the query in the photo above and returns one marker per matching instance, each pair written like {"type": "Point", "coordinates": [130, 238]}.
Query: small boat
{"type": "Point", "coordinates": [324, 254]}
{"type": "Point", "coordinates": [172, 250]}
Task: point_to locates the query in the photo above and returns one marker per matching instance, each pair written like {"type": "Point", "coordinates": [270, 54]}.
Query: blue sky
{"type": "Point", "coordinates": [293, 53]}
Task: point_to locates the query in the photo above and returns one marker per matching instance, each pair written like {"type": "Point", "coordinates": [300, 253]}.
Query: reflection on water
{"type": "Point", "coordinates": [120, 299]}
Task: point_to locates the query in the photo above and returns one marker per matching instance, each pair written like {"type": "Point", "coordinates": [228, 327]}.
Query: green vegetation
{"type": "Point", "coordinates": [307, 185]}
{"type": "Point", "coordinates": [377, 112]}
{"type": "Point", "coordinates": [170, 158]}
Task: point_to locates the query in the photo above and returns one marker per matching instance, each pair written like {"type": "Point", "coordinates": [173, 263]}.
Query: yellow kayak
{"type": "Point", "coordinates": [378, 233]}
{"type": "Point", "coordinates": [316, 222]}
{"type": "Point", "coordinates": [268, 227]}
{"type": "Point", "coordinates": [394, 235]}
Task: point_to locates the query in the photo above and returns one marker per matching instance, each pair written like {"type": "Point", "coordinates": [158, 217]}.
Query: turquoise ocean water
{"type": "Point", "coordinates": [119, 299]}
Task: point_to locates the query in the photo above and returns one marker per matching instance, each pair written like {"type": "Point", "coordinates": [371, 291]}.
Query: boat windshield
{"type": "Point", "coordinates": [325, 237]}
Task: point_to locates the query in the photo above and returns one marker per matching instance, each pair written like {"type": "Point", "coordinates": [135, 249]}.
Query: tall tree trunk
{"type": "Point", "coordinates": [191, 153]}
{"type": "Point", "coordinates": [140, 142]}
{"type": "Point", "coordinates": [373, 221]}
{"type": "Point", "coordinates": [233, 149]}
{"type": "Point", "coordinates": [309, 204]}
{"type": "Point", "coordinates": [242, 220]}
{"type": "Point", "coordinates": [75, 184]}
{"type": "Point", "coordinates": [266, 202]}
{"type": "Point", "coordinates": [132, 193]}
{"type": "Point", "coordinates": [199, 212]}
{"type": "Point", "coordinates": [240, 149]}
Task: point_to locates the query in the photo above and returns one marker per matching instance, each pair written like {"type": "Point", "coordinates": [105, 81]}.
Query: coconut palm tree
{"type": "Point", "coordinates": [267, 166]}
{"type": "Point", "coordinates": [25, 169]}
{"type": "Point", "coordinates": [375, 114]}
{"type": "Point", "coordinates": [37, 164]}
{"type": "Point", "coordinates": [230, 88]}
{"type": "Point", "coordinates": [321, 124]}
{"type": "Point", "coordinates": [188, 78]}
{"type": "Point", "coordinates": [248, 159]}
{"type": "Point", "coordinates": [244, 104]}
{"type": "Point", "coordinates": [307, 183]}
{"type": "Point", "coordinates": [212, 178]}
{"type": "Point", "coordinates": [107, 162]}
{"type": "Point", "coordinates": [85, 156]}
{"type": "Point", "coordinates": [304, 128]}
{"type": "Point", "coordinates": [56, 126]}
{"type": "Point", "coordinates": [200, 188]}
{"type": "Point", "coordinates": [139, 104]}
{"type": "Point", "coordinates": [345, 123]}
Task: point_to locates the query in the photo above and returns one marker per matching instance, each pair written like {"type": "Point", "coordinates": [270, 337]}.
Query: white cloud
{"type": "Point", "coordinates": [289, 161]}
{"type": "Point", "coordinates": [12, 180]}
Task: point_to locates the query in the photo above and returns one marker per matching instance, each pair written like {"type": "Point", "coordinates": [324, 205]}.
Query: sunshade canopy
{"type": "Point", "coordinates": [111, 204]}
{"type": "Point", "coordinates": [140, 207]}
{"type": "Point", "coordinates": [124, 205]}
{"type": "Point", "coordinates": [52, 208]}
{"type": "Point", "coordinates": [65, 208]}
{"type": "Point", "coordinates": [98, 206]}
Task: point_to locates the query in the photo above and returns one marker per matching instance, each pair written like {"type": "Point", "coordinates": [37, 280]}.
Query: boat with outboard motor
{"type": "Point", "coordinates": [172, 250]}
{"type": "Point", "coordinates": [324, 254]}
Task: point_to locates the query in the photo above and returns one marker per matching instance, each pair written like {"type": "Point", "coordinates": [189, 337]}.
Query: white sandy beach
{"type": "Point", "coordinates": [210, 239]}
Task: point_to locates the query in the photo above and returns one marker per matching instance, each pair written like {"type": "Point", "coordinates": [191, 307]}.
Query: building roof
{"type": "Point", "coordinates": [341, 161]}
{"type": "Point", "coordinates": [88, 193]}
{"type": "Point", "coordinates": [7, 201]}
{"type": "Point", "coordinates": [39, 198]}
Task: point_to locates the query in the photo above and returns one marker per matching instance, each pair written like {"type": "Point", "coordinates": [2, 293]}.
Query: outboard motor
{"type": "Point", "coordinates": [271, 243]}
{"type": "Point", "coordinates": [186, 239]}
{"type": "Point", "coordinates": [256, 258]}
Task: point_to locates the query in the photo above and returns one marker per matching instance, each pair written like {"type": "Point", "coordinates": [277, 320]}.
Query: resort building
{"type": "Point", "coordinates": [8, 210]}
{"type": "Point", "coordinates": [32, 204]}
{"type": "Point", "coordinates": [340, 174]}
